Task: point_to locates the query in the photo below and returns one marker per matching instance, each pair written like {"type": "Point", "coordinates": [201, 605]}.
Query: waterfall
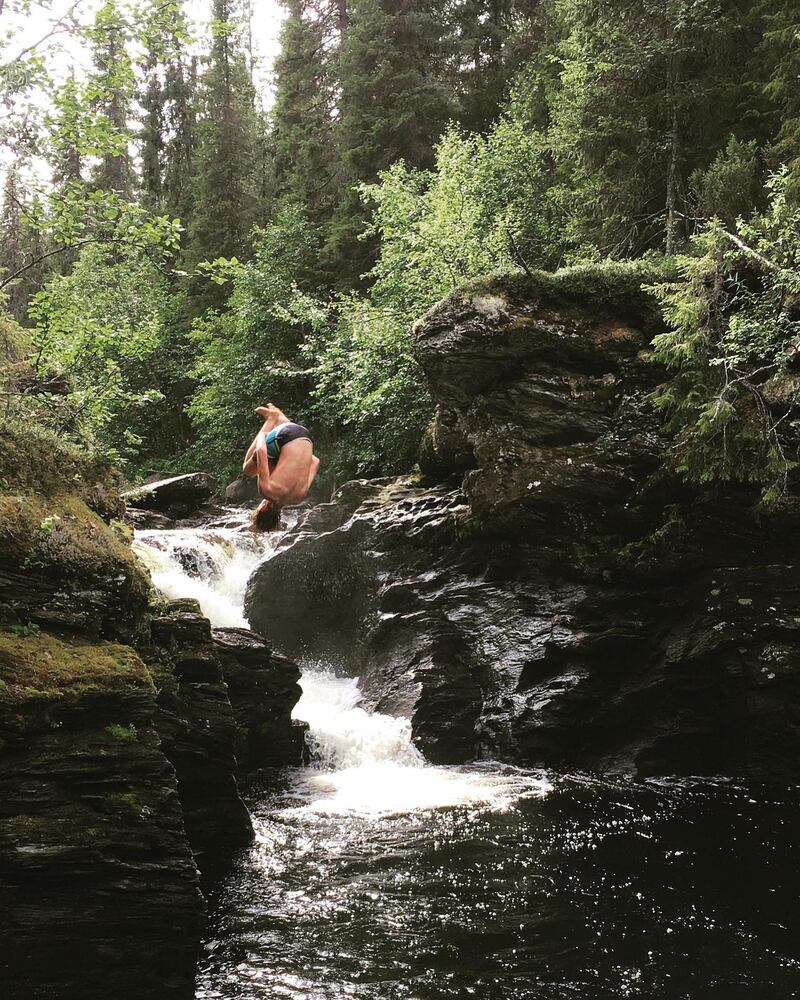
{"type": "Point", "coordinates": [211, 564]}
{"type": "Point", "coordinates": [365, 762]}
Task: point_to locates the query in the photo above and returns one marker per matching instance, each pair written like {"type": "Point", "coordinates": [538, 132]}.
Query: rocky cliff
{"type": "Point", "coordinates": [119, 737]}
{"type": "Point", "coordinates": [549, 592]}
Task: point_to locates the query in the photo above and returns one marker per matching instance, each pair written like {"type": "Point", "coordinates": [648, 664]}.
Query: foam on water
{"type": "Point", "coordinates": [370, 765]}
{"type": "Point", "coordinates": [210, 565]}
{"type": "Point", "coordinates": [365, 762]}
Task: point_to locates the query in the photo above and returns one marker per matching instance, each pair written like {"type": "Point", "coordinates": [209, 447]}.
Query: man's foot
{"type": "Point", "coordinates": [266, 411]}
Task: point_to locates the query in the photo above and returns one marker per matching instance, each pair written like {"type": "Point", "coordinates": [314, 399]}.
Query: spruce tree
{"type": "Point", "coordinates": [779, 59]}
{"type": "Point", "coordinates": [112, 89]}
{"type": "Point", "coordinates": [494, 40]}
{"type": "Point", "coordinates": [649, 93]}
{"type": "Point", "coordinates": [13, 243]}
{"type": "Point", "coordinates": [396, 96]}
{"type": "Point", "coordinates": [168, 120]}
{"type": "Point", "coordinates": [302, 116]}
{"type": "Point", "coordinates": [225, 185]}
{"type": "Point", "coordinates": [394, 76]}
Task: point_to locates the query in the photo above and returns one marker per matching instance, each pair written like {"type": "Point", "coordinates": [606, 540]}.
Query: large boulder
{"type": "Point", "coordinates": [570, 603]}
{"type": "Point", "coordinates": [242, 490]}
{"type": "Point", "coordinates": [263, 689]}
{"type": "Point", "coordinates": [176, 495]}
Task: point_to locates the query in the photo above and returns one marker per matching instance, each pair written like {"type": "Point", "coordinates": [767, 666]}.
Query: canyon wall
{"type": "Point", "coordinates": [121, 720]}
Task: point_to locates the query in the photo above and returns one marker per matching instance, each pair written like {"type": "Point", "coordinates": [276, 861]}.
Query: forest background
{"type": "Point", "coordinates": [174, 253]}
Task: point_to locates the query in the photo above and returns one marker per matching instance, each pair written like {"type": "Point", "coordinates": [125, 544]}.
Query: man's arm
{"type": "Point", "coordinates": [268, 489]}
{"type": "Point", "coordinates": [250, 465]}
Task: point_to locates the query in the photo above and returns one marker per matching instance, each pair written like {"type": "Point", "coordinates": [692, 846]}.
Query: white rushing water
{"type": "Point", "coordinates": [365, 762]}
{"type": "Point", "coordinates": [211, 564]}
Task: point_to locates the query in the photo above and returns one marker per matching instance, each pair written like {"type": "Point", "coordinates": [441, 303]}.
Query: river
{"type": "Point", "coordinates": [375, 876]}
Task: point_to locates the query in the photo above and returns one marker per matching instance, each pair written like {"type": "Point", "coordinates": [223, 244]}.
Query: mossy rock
{"type": "Point", "coordinates": [63, 535]}
{"type": "Point", "coordinates": [616, 288]}
{"type": "Point", "coordinates": [63, 554]}
{"type": "Point", "coordinates": [39, 461]}
{"type": "Point", "coordinates": [45, 679]}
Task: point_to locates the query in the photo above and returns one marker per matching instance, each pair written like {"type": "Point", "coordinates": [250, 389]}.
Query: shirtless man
{"type": "Point", "coordinates": [283, 460]}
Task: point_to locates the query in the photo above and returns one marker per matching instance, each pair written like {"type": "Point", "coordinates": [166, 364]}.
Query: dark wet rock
{"type": "Point", "coordinates": [560, 599]}
{"type": "Point", "coordinates": [149, 519]}
{"type": "Point", "coordinates": [198, 729]}
{"type": "Point", "coordinates": [176, 495]}
{"type": "Point", "coordinates": [99, 894]}
{"type": "Point", "coordinates": [242, 490]}
{"type": "Point", "coordinates": [115, 774]}
{"type": "Point", "coordinates": [225, 703]}
{"type": "Point", "coordinates": [263, 689]}
{"type": "Point", "coordinates": [194, 561]}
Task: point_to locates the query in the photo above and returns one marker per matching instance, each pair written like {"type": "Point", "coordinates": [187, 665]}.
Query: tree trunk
{"type": "Point", "coordinates": [673, 178]}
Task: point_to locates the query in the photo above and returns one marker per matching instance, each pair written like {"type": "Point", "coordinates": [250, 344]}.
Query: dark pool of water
{"type": "Point", "coordinates": [601, 889]}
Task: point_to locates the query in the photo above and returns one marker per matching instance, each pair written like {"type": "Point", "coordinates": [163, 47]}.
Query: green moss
{"type": "Point", "coordinates": [123, 532]}
{"type": "Point", "coordinates": [44, 667]}
{"type": "Point", "coordinates": [666, 539]}
{"type": "Point", "coordinates": [129, 800]}
{"type": "Point", "coordinates": [125, 733]}
{"type": "Point", "coordinates": [37, 460]}
{"type": "Point", "coordinates": [54, 504]}
{"type": "Point", "coordinates": [615, 288]}
{"type": "Point", "coordinates": [62, 534]}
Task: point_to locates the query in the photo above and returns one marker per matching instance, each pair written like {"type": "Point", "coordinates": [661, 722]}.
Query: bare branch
{"type": "Point", "coordinates": [768, 264]}
{"type": "Point", "coordinates": [55, 28]}
{"type": "Point", "coordinates": [63, 249]}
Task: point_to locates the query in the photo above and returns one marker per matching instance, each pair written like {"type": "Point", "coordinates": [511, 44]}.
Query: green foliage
{"type": "Point", "coordinates": [729, 333]}
{"type": "Point", "coordinates": [411, 147]}
{"type": "Point", "coordinates": [395, 102]}
{"type": "Point", "coordinates": [647, 94]}
{"type": "Point", "coordinates": [250, 353]}
{"type": "Point", "coordinates": [97, 326]}
{"type": "Point", "coordinates": [732, 185]}
{"type": "Point", "coordinates": [110, 92]}
{"type": "Point", "coordinates": [368, 390]}
{"type": "Point", "coordinates": [780, 55]}
{"type": "Point", "coordinates": [302, 116]}
{"type": "Point", "coordinates": [225, 187]}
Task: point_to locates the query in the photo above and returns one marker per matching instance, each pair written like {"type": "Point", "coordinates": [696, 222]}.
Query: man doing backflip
{"type": "Point", "coordinates": [282, 458]}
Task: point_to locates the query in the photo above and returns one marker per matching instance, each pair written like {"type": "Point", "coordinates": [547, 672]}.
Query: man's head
{"type": "Point", "coordinates": [267, 516]}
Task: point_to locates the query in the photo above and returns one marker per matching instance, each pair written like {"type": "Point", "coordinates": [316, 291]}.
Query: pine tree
{"type": "Point", "coordinates": [112, 88]}
{"type": "Point", "coordinates": [168, 121]}
{"type": "Point", "coordinates": [396, 96]}
{"type": "Point", "coordinates": [152, 133]}
{"type": "Point", "coordinates": [225, 179]}
{"type": "Point", "coordinates": [649, 93]}
{"type": "Point", "coordinates": [495, 39]}
{"type": "Point", "coordinates": [779, 58]}
{"type": "Point", "coordinates": [302, 115]}
{"type": "Point", "coordinates": [12, 242]}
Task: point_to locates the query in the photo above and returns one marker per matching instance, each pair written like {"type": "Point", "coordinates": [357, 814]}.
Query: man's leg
{"type": "Point", "coordinates": [312, 474]}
